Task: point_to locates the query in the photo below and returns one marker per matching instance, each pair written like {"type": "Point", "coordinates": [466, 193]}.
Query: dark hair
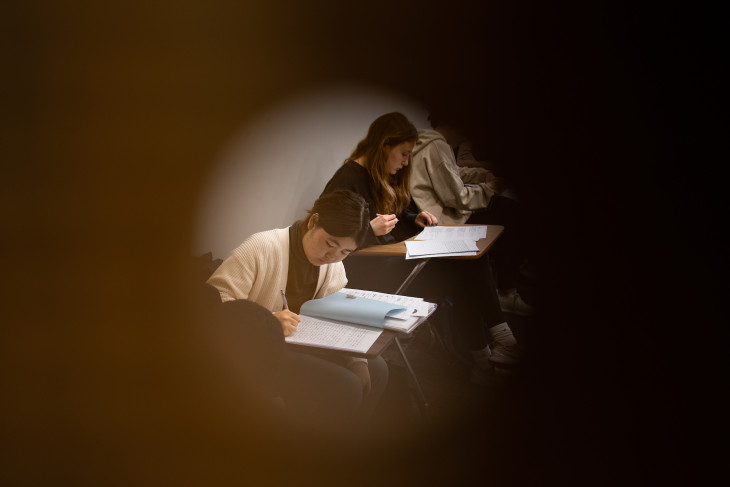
{"type": "Point", "coordinates": [343, 213]}
{"type": "Point", "coordinates": [392, 193]}
{"type": "Point", "coordinates": [438, 116]}
{"type": "Point", "coordinates": [452, 112]}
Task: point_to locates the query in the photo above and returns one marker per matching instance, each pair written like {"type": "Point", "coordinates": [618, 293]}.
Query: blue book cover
{"type": "Point", "coordinates": [341, 307]}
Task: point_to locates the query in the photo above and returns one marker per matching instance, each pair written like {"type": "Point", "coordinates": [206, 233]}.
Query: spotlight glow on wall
{"type": "Point", "coordinates": [277, 165]}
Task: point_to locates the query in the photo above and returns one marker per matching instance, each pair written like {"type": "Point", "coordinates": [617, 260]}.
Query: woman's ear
{"type": "Point", "coordinates": [312, 222]}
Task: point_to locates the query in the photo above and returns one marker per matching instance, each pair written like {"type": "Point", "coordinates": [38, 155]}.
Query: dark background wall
{"type": "Point", "coordinates": [112, 114]}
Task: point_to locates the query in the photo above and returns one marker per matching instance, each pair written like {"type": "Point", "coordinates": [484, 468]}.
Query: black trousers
{"type": "Point", "coordinates": [510, 249]}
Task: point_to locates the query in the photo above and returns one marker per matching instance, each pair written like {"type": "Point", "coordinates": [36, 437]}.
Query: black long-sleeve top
{"type": "Point", "coordinates": [354, 177]}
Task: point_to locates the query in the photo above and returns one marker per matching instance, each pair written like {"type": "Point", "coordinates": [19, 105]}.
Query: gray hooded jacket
{"type": "Point", "coordinates": [441, 187]}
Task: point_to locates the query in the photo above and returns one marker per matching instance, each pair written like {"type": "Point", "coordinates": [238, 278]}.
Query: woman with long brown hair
{"type": "Point", "coordinates": [379, 170]}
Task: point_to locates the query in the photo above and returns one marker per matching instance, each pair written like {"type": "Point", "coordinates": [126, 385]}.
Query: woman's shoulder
{"type": "Point", "coordinates": [351, 167]}
{"type": "Point", "coordinates": [356, 172]}
{"type": "Point", "coordinates": [350, 175]}
{"type": "Point", "coordinates": [264, 242]}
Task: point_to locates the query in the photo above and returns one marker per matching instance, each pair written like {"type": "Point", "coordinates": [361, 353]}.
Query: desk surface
{"type": "Point", "coordinates": [399, 249]}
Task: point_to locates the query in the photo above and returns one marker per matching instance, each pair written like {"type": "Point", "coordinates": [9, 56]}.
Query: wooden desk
{"type": "Point", "coordinates": [399, 250]}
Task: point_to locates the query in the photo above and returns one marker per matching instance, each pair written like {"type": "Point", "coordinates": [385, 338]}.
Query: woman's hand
{"type": "Point", "coordinates": [383, 224]}
{"type": "Point", "coordinates": [361, 370]}
{"type": "Point", "coordinates": [288, 320]}
{"type": "Point", "coordinates": [426, 219]}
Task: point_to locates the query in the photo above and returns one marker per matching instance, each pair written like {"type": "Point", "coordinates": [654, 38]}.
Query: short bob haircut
{"type": "Point", "coordinates": [343, 213]}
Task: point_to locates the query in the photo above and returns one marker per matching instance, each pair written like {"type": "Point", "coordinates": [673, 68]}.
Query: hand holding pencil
{"type": "Point", "coordinates": [383, 224]}
{"type": "Point", "coordinates": [289, 320]}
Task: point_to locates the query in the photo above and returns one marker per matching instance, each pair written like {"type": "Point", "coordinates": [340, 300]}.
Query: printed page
{"type": "Point", "coordinates": [404, 325]}
{"type": "Point", "coordinates": [414, 306]}
{"type": "Point", "coordinates": [330, 334]}
{"type": "Point", "coordinates": [428, 256]}
{"type": "Point", "coordinates": [417, 248]}
{"type": "Point", "coordinates": [472, 233]}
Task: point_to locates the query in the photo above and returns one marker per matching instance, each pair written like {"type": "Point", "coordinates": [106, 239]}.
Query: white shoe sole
{"type": "Point", "coordinates": [500, 359]}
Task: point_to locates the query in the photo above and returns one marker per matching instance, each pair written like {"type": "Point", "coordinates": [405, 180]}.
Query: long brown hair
{"type": "Point", "coordinates": [391, 192]}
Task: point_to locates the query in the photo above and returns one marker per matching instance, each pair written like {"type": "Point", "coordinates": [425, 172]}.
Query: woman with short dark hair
{"type": "Point", "coordinates": [305, 261]}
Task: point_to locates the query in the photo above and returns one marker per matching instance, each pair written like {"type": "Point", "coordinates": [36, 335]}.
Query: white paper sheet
{"type": "Point", "coordinates": [417, 248]}
{"type": "Point", "coordinates": [428, 256]}
{"type": "Point", "coordinates": [335, 335]}
{"type": "Point", "coordinates": [415, 306]}
{"type": "Point", "coordinates": [472, 233]}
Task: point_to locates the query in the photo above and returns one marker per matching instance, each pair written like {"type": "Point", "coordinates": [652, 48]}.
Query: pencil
{"type": "Point", "coordinates": [283, 298]}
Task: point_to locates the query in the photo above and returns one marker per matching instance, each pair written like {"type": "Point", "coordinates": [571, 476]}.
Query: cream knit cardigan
{"type": "Point", "coordinates": [257, 270]}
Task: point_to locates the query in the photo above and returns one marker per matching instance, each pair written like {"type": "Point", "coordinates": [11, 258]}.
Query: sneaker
{"type": "Point", "coordinates": [514, 304]}
{"type": "Point", "coordinates": [506, 355]}
{"type": "Point", "coordinates": [505, 350]}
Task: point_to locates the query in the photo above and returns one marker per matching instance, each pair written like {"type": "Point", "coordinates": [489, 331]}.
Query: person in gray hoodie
{"type": "Point", "coordinates": [458, 195]}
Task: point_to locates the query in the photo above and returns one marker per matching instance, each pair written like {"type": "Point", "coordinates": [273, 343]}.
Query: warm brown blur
{"type": "Point", "coordinates": [114, 116]}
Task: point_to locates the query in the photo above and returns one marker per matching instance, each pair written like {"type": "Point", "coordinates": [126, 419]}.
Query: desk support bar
{"type": "Point", "coordinates": [414, 272]}
{"type": "Point", "coordinates": [399, 250]}
{"type": "Point", "coordinates": [422, 403]}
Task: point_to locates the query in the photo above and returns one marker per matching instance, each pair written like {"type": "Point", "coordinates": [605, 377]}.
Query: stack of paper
{"type": "Point", "coordinates": [352, 319]}
{"type": "Point", "coordinates": [412, 314]}
{"type": "Point", "coordinates": [445, 242]}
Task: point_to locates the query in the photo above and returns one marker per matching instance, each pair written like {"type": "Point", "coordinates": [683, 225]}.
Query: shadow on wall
{"type": "Point", "coordinates": [277, 166]}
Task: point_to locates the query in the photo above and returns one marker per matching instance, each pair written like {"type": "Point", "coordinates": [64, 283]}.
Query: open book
{"type": "Point", "coordinates": [353, 319]}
